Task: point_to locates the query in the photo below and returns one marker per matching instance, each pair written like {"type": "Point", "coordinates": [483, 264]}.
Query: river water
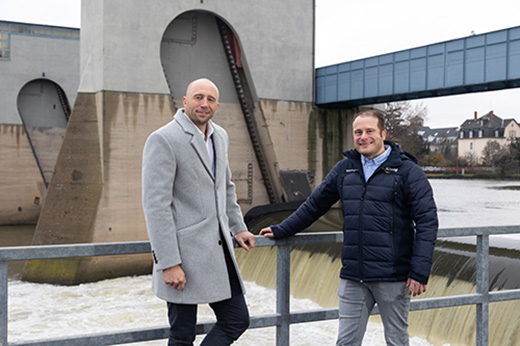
{"type": "Point", "coordinates": [38, 311]}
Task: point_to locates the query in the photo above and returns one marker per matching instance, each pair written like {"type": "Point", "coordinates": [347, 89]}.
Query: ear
{"type": "Point", "coordinates": [383, 134]}
{"type": "Point", "coordinates": [184, 101]}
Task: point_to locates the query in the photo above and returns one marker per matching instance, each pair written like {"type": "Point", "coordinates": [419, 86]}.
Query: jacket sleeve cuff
{"type": "Point", "coordinates": [277, 232]}
{"type": "Point", "coordinates": [419, 278]}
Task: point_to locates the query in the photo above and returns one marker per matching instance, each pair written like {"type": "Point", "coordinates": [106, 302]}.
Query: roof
{"type": "Point", "coordinates": [487, 121]}
{"type": "Point", "coordinates": [431, 135]}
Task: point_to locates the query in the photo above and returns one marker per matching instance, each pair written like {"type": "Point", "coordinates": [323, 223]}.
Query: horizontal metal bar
{"type": "Point", "coordinates": [498, 296]}
{"type": "Point", "coordinates": [263, 321]}
{"type": "Point", "coordinates": [16, 253]}
{"type": "Point", "coordinates": [130, 336]}
{"type": "Point", "coordinates": [471, 231]}
{"type": "Point", "coordinates": [445, 302]}
{"type": "Point", "coordinates": [304, 238]}
{"type": "Point", "coordinates": [314, 315]}
{"type": "Point", "coordinates": [139, 335]}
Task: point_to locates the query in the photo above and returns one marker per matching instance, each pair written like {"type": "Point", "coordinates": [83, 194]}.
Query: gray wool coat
{"type": "Point", "coordinates": [185, 205]}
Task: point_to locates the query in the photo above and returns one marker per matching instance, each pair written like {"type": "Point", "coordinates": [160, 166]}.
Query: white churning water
{"type": "Point", "coordinates": [40, 311]}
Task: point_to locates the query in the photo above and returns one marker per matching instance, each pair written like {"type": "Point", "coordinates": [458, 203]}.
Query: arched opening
{"type": "Point", "coordinates": [44, 110]}
{"type": "Point", "coordinates": [199, 44]}
{"type": "Point", "coordinates": [192, 48]}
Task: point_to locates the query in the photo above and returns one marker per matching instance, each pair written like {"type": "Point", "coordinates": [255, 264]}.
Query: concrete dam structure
{"type": "Point", "coordinates": [133, 75]}
{"type": "Point", "coordinates": [39, 66]}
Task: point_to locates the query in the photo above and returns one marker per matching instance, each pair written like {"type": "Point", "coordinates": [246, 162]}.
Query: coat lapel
{"type": "Point", "coordinates": [220, 152]}
{"type": "Point", "coordinates": [197, 142]}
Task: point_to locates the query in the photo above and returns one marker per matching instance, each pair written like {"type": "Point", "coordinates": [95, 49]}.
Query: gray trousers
{"type": "Point", "coordinates": [356, 301]}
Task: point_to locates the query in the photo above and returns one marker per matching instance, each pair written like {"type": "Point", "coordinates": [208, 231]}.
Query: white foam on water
{"type": "Point", "coordinates": [42, 311]}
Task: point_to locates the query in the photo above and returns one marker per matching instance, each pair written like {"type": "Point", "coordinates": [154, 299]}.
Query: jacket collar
{"type": "Point", "coordinates": [395, 159]}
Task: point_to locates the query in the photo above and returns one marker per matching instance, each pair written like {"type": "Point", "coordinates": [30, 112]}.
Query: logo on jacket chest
{"type": "Point", "coordinates": [389, 170]}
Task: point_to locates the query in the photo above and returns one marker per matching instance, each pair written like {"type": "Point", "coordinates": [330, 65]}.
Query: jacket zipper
{"type": "Point", "coordinates": [360, 233]}
{"type": "Point", "coordinates": [394, 196]}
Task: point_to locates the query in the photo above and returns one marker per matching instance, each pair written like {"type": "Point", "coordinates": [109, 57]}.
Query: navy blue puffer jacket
{"type": "Point", "coordinates": [389, 223]}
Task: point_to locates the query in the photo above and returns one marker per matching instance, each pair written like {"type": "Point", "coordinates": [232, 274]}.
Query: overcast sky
{"type": "Point", "coordinates": [353, 29]}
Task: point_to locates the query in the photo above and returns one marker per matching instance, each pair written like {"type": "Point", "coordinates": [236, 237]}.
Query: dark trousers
{"type": "Point", "coordinates": [232, 320]}
{"type": "Point", "coordinates": [232, 317]}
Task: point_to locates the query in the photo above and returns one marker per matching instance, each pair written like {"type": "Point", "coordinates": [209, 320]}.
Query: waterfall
{"type": "Point", "coordinates": [315, 275]}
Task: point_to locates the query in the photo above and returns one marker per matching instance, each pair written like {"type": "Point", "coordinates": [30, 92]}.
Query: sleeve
{"type": "Point", "coordinates": [424, 214]}
{"type": "Point", "coordinates": [158, 176]}
{"type": "Point", "coordinates": [317, 204]}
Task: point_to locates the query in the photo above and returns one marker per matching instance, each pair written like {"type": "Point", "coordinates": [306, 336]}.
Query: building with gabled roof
{"type": "Point", "coordinates": [475, 133]}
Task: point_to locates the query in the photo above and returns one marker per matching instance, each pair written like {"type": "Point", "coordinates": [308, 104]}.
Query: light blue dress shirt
{"type": "Point", "coordinates": [370, 166]}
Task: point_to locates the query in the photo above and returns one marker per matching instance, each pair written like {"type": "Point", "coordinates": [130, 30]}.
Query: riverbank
{"type": "Point", "coordinates": [482, 175]}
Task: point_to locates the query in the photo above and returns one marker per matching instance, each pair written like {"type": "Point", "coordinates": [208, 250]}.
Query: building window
{"type": "Point", "coordinates": [471, 146]}
{"type": "Point", "coordinates": [497, 133]}
{"type": "Point", "coordinates": [40, 30]}
{"type": "Point", "coordinates": [21, 29]}
{"type": "Point", "coordinates": [63, 33]}
{"type": "Point", "coordinates": [470, 134]}
{"type": "Point", "coordinates": [4, 43]}
{"type": "Point", "coordinates": [480, 133]}
{"type": "Point", "coordinates": [461, 134]}
{"type": "Point", "coordinates": [512, 134]}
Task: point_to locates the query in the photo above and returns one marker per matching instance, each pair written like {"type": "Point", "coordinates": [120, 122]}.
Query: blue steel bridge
{"type": "Point", "coordinates": [489, 61]}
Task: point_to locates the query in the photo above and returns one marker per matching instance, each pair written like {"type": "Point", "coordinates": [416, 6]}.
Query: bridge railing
{"type": "Point", "coordinates": [283, 317]}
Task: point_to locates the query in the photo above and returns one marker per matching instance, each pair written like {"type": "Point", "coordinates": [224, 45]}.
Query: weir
{"type": "Point", "coordinates": [457, 326]}
{"type": "Point", "coordinates": [315, 275]}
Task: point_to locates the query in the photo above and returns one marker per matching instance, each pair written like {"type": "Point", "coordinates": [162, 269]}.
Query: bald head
{"type": "Point", "coordinates": [201, 102]}
{"type": "Point", "coordinates": [202, 83]}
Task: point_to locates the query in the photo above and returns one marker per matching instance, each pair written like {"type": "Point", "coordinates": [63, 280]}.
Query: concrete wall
{"type": "Point", "coordinates": [33, 58]}
{"type": "Point", "coordinates": [127, 69]}
{"type": "Point", "coordinates": [124, 54]}
{"type": "Point", "coordinates": [21, 186]}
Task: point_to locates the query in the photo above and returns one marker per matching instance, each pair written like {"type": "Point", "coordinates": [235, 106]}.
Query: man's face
{"type": "Point", "coordinates": [368, 138]}
{"type": "Point", "coordinates": [201, 103]}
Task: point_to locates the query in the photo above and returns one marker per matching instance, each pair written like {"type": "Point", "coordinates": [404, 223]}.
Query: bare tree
{"type": "Point", "coordinates": [492, 154]}
{"type": "Point", "coordinates": [401, 125]}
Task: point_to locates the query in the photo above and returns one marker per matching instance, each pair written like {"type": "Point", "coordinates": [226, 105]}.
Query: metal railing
{"type": "Point", "coordinates": [283, 317]}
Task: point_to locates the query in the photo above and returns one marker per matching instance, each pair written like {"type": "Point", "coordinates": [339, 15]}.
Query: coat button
{"type": "Point", "coordinates": [220, 242]}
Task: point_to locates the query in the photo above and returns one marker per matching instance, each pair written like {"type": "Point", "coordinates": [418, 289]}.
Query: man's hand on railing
{"type": "Point", "coordinates": [246, 240]}
{"type": "Point", "coordinates": [267, 232]}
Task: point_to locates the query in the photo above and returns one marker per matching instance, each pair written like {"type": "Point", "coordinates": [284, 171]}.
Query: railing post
{"type": "Point", "coordinates": [3, 303]}
{"type": "Point", "coordinates": [483, 289]}
{"type": "Point", "coordinates": [283, 278]}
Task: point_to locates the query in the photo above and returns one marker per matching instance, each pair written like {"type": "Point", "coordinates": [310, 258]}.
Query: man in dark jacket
{"type": "Point", "coordinates": [390, 229]}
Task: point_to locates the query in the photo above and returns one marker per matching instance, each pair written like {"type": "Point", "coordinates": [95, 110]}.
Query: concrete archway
{"type": "Point", "coordinates": [191, 48]}
{"type": "Point", "coordinates": [200, 44]}
{"type": "Point", "coordinates": [44, 110]}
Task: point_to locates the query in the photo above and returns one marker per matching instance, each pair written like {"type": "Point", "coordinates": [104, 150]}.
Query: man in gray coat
{"type": "Point", "coordinates": [191, 215]}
